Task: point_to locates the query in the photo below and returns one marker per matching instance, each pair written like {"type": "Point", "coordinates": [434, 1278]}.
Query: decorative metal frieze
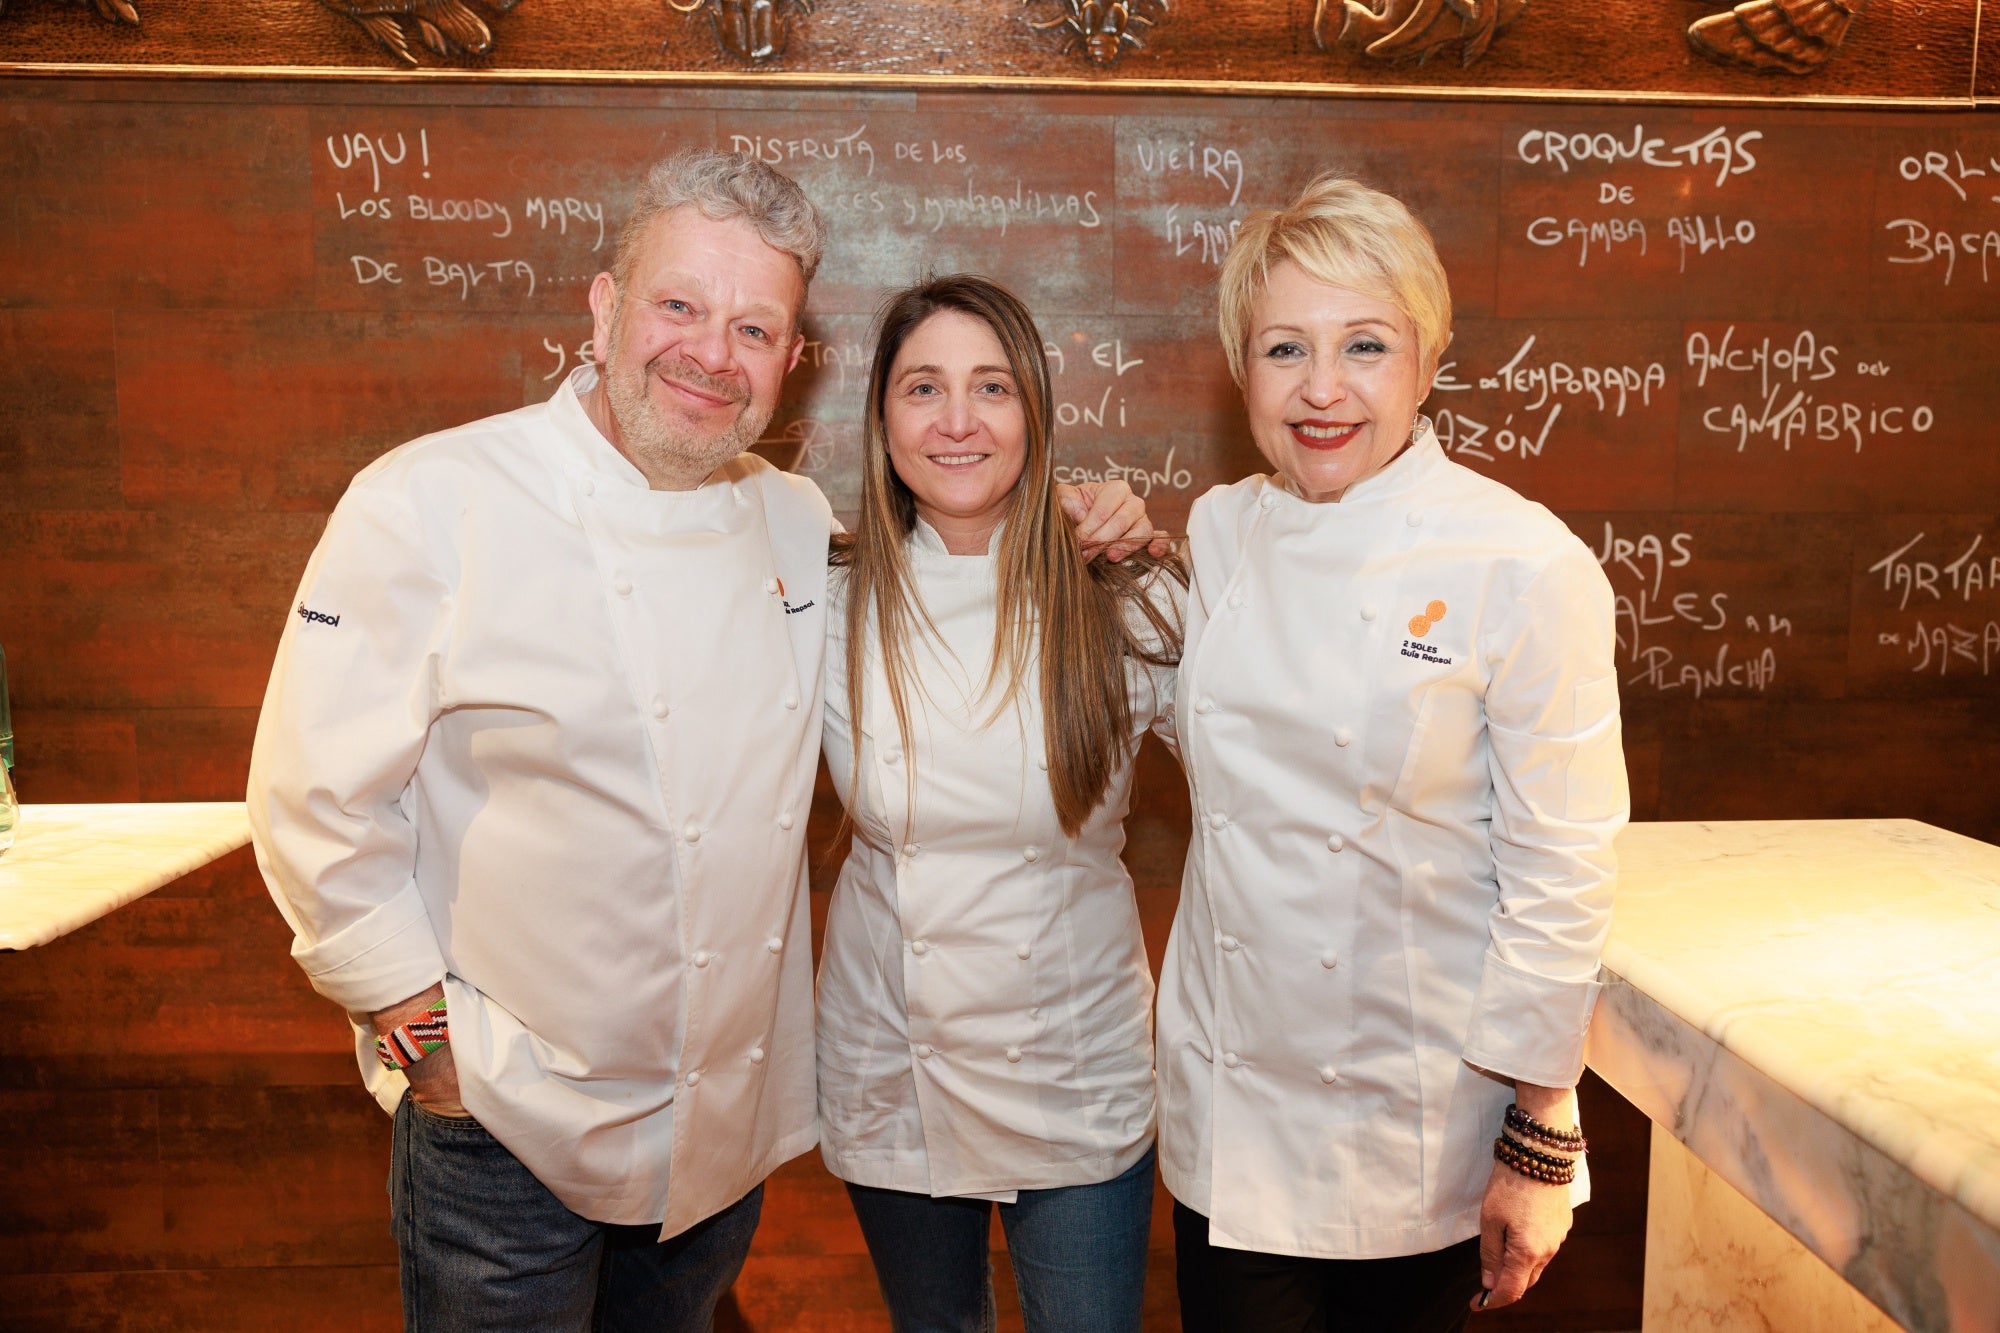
{"type": "Point", "coordinates": [1102, 29]}
{"type": "Point", "coordinates": [1414, 29]}
{"type": "Point", "coordinates": [114, 11]}
{"type": "Point", "coordinates": [1796, 36]}
{"type": "Point", "coordinates": [754, 30]}
{"type": "Point", "coordinates": [447, 27]}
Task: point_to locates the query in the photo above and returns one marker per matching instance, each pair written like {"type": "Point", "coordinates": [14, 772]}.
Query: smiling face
{"type": "Point", "coordinates": [694, 344]}
{"type": "Point", "coordinates": [958, 434]}
{"type": "Point", "coordinates": [1332, 380]}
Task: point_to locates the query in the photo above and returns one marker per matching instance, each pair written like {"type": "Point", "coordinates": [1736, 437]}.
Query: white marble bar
{"type": "Point", "coordinates": [71, 864]}
{"type": "Point", "coordinates": [1813, 1010]}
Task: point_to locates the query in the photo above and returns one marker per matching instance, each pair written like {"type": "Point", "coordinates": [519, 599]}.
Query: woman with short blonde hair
{"type": "Point", "coordinates": [1399, 717]}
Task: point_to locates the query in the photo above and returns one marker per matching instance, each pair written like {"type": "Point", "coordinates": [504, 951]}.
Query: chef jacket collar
{"type": "Point", "coordinates": [588, 446]}
{"type": "Point", "coordinates": [1405, 475]}
{"type": "Point", "coordinates": [926, 547]}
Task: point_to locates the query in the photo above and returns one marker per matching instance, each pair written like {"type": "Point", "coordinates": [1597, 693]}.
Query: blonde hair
{"type": "Point", "coordinates": [1070, 613]}
{"type": "Point", "coordinates": [1344, 234]}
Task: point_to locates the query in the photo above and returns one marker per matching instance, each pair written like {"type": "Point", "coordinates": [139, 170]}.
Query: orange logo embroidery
{"type": "Point", "coordinates": [1421, 625]}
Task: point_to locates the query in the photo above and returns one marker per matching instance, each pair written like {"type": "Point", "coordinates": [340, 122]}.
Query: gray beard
{"type": "Point", "coordinates": [666, 450]}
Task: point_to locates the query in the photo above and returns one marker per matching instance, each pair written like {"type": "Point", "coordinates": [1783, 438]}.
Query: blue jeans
{"type": "Point", "coordinates": [485, 1246]}
{"type": "Point", "coordinates": [1079, 1255]}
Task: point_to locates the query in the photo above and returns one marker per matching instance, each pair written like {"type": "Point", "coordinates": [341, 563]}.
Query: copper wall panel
{"type": "Point", "coordinates": [190, 371]}
{"type": "Point", "coordinates": [1840, 414]}
{"type": "Point", "coordinates": [136, 206]}
{"type": "Point", "coordinates": [58, 410]}
{"type": "Point", "coordinates": [1892, 51]}
{"type": "Point", "coordinates": [1936, 250]}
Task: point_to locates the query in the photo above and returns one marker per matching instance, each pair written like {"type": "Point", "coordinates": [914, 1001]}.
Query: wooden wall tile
{"type": "Point", "coordinates": [124, 610]}
{"type": "Point", "coordinates": [1936, 241]}
{"type": "Point", "coordinates": [58, 410]}
{"type": "Point", "coordinates": [75, 754]}
{"type": "Point", "coordinates": [280, 410]}
{"type": "Point", "coordinates": [317, 1299]}
{"type": "Point", "coordinates": [195, 754]}
{"type": "Point", "coordinates": [80, 1180]}
{"type": "Point", "coordinates": [274, 1177]}
{"type": "Point", "coordinates": [1865, 760]}
{"type": "Point", "coordinates": [147, 206]}
{"type": "Point", "coordinates": [1926, 619]}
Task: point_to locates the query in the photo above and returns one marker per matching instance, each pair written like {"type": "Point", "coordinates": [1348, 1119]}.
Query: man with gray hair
{"type": "Point", "coordinates": [531, 785]}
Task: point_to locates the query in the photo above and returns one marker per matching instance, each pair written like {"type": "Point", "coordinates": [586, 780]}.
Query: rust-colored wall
{"type": "Point", "coordinates": [190, 370]}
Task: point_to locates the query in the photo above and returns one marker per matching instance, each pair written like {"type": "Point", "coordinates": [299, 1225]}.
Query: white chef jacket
{"type": "Point", "coordinates": [1399, 718]}
{"type": "Point", "coordinates": [984, 995]}
{"type": "Point", "coordinates": [548, 735]}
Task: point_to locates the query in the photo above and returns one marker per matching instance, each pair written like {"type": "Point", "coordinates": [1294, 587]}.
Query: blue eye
{"type": "Point", "coordinates": [752, 331]}
{"type": "Point", "coordinates": [674, 306]}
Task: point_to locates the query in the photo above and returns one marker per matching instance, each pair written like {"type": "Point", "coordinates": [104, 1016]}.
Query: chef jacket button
{"type": "Point", "coordinates": [1329, 960]}
{"type": "Point", "coordinates": [624, 587]}
{"type": "Point", "coordinates": [791, 701]}
{"type": "Point", "coordinates": [693, 1077]}
{"type": "Point", "coordinates": [741, 496]}
{"type": "Point", "coordinates": [1231, 1059]}
{"type": "Point", "coordinates": [785, 821]}
{"type": "Point", "coordinates": [925, 1050]}
{"type": "Point", "coordinates": [659, 707]}
{"type": "Point", "coordinates": [1031, 853]}
{"type": "Point", "coordinates": [920, 947]}
{"type": "Point", "coordinates": [692, 832]}
{"type": "Point", "coordinates": [1207, 705]}
{"type": "Point", "coordinates": [1236, 598]}
{"type": "Point", "coordinates": [892, 756]}
{"type": "Point", "coordinates": [1367, 613]}
{"type": "Point", "coordinates": [1269, 501]}
{"type": "Point", "coordinates": [1343, 737]}
{"type": "Point", "coordinates": [589, 486]}
{"type": "Point", "coordinates": [1024, 952]}
{"type": "Point", "coordinates": [1035, 1013]}
{"type": "Point", "coordinates": [1218, 820]}
{"type": "Point", "coordinates": [1230, 944]}
{"type": "Point", "coordinates": [1335, 842]}
{"type": "Point", "coordinates": [1414, 520]}
{"type": "Point", "coordinates": [1013, 1055]}
{"type": "Point", "coordinates": [1368, 799]}
{"type": "Point", "coordinates": [912, 848]}
{"type": "Point", "coordinates": [770, 585]}
{"type": "Point", "coordinates": [1043, 763]}
{"type": "Point", "coordinates": [702, 957]}
{"type": "Point", "coordinates": [756, 1055]}
{"type": "Point", "coordinates": [1326, 1073]}
{"type": "Point", "coordinates": [776, 944]}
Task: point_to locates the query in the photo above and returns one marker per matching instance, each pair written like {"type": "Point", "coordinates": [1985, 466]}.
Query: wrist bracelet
{"type": "Point", "coordinates": [1510, 1155]}
{"type": "Point", "coordinates": [415, 1039]}
{"type": "Point", "coordinates": [1563, 1140]}
{"type": "Point", "coordinates": [1548, 1160]}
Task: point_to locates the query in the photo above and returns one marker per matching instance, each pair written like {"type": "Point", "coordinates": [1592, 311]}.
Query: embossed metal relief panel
{"type": "Point", "coordinates": [1755, 49]}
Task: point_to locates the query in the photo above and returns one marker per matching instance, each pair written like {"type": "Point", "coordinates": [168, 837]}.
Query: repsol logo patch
{"type": "Point", "coordinates": [791, 610]}
{"type": "Point", "coordinates": [312, 617]}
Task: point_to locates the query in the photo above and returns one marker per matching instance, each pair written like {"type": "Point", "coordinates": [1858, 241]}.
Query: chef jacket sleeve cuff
{"type": "Point", "coordinates": [1530, 1028]}
{"type": "Point", "coordinates": [383, 958]}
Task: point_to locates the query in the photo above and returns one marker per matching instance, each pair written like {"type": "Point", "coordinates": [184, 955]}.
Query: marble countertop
{"type": "Point", "coordinates": [71, 864]}
{"type": "Point", "coordinates": [1814, 1009]}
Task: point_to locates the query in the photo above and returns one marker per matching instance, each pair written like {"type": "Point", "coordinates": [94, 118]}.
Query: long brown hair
{"type": "Point", "coordinates": [1071, 613]}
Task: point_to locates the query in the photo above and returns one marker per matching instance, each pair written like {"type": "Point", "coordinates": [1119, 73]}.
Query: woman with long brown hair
{"type": "Point", "coordinates": [984, 996]}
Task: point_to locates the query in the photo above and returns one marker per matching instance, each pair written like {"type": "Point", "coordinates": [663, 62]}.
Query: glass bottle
{"type": "Point", "coordinates": [10, 808]}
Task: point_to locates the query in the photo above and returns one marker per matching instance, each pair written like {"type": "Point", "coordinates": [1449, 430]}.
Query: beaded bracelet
{"type": "Point", "coordinates": [415, 1039]}
{"type": "Point", "coordinates": [1508, 1154]}
{"type": "Point", "coordinates": [1554, 1163]}
{"type": "Point", "coordinates": [1565, 1140]}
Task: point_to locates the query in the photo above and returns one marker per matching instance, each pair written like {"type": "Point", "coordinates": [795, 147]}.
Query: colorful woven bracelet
{"type": "Point", "coordinates": [414, 1040]}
